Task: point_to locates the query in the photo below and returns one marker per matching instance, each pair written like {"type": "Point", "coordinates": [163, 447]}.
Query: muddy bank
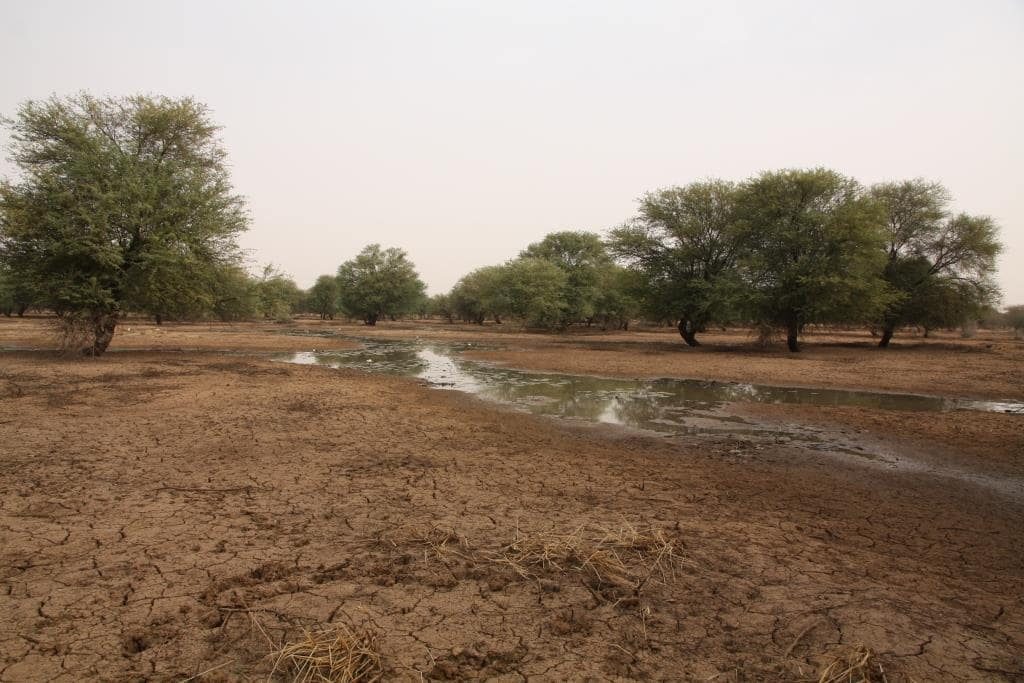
{"type": "Point", "coordinates": [986, 443]}
{"type": "Point", "coordinates": [39, 333]}
{"type": "Point", "coordinates": [163, 515]}
{"type": "Point", "coordinates": [969, 371]}
{"type": "Point", "coordinates": [990, 366]}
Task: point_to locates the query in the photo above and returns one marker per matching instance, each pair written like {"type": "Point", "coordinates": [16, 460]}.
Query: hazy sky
{"type": "Point", "coordinates": [462, 131]}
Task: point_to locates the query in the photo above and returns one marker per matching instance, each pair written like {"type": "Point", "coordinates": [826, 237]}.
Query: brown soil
{"type": "Point", "coordinates": [142, 335]}
{"type": "Point", "coordinates": [167, 514]}
{"type": "Point", "coordinates": [984, 443]}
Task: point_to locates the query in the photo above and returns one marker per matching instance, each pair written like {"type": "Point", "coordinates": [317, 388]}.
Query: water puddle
{"type": "Point", "coordinates": [635, 403]}
{"type": "Point", "coordinates": [660, 406]}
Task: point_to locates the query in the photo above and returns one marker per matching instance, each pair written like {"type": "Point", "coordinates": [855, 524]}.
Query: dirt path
{"type": "Point", "coordinates": [165, 514]}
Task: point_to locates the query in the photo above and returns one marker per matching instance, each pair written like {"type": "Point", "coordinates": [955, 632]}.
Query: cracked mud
{"type": "Point", "coordinates": [164, 515]}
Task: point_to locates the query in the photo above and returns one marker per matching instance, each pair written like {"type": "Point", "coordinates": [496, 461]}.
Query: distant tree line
{"type": "Point", "coordinates": [783, 250]}
{"type": "Point", "coordinates": [125, 205]}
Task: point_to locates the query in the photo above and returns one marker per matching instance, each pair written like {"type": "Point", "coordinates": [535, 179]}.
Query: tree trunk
{"type": "Point", "coordinates": [887, 333]}
{"type": "Point", "coordinates": [371, 319]}
{"type": "Point", "coordinates": [21, 310]}
{"type": "Point", "coordinates": [688, 331]}
{"type": "Point", "coordinates": [103, 325]}
{"type": "Point", "coordinates": [793, 336]}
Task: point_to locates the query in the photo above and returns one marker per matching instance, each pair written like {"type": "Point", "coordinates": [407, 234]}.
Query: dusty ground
{"type": "Point", "coordinates": [167, 513]}
{"type": "Point", "coordinates": [38, 333]}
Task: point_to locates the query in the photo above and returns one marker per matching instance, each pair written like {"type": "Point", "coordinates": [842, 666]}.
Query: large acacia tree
{"type": "Point", "coordinates": [379, 282]}
{"type": "Point", "coordinates": [581, 256]}
{"type": "Point", "coordinates": [479, 295]}
{"type": "Point", "coordinates": [685, 244]}
{"type": "Point", "coordinates": [120, 203]}
{"type": "Point", "coordinates": [939, 264]}
{"type": "Point", "coordinates": [534, 291]}
{"type": "Point", "coordinates": [814, 250]}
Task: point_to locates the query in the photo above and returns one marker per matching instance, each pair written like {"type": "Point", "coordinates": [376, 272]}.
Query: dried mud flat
{"type": "Point", "coordinates": [165, 515]}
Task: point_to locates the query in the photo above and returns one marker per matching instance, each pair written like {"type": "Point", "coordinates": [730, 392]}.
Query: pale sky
{"type": "Point", "coordinates": [462, 131]}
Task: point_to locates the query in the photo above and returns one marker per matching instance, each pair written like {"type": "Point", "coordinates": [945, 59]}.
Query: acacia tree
{"type": "Point", "coordinates": [441, 304]}
{"type": "Point", "coordinates": [235, 295]}
{"type": "Point", "coordinates": [815, 250]}
{"type": "Point", "coordinates": [277, 295]}
{"type": "Point", "coordinates": [618, 297]}
{"type": "Point", "coordinates": [1015, 319]}
{"type": "Point", "coordinates": [685, 243]}
{"type": "Point", "coordinates": [323, 297]}
{"type": "Point", "coordinates": [111, 190]}
{"type": "Point", "coordinates": [938, 264]}
{"type": "Point", "coordinates": [581, 256]}
{"type": "Point", "coordinates": [479, 295]}
{"type": "Point", "coordinates": [15, 297]}
{"type": "Point", "coordinates": [535, 291]}
{"type": "Point", "coordinates": [169, 285]}
{"type": "Point", "coordinates": [379, 282]}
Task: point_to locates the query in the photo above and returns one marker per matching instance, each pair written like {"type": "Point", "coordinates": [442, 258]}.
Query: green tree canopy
{"type": "Point", "coordinates": [1015, 319]}
{"type": "Point", "coordinates": [379, 282]}
{"type": "Point", "coordinates": [938, 264]}
{"type": "Point", "coordinates": [685, 243]}
{"type": "Point", "coordinates": [441, 304]}
{"type": "Point", "coordinates": [478, 295]}
{"type": "Point", "coordinates": [277, 295]}
{"type": "Point", "coordinates": [113, 194]}
{"type": "Point", "coordinates": [235, 293]}
{"type": "Point", "coordinates": [815, 250]}
{"type": "Point", "coordinates": [15, 297]}
{"type": "Point", "coordinates": [534, 289]}
{"type": "Point", "coordinates": [581, 256]}
{"type": "Point", "coordinates": [619, 293]}
{"type": "Point", "coordinates": [324, 297]}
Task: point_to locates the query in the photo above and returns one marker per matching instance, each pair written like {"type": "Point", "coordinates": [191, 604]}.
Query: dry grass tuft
{"type": "Point", "coordinates": [615, 563]}
{"type": "Point", "coordinates": [438, 540]}
{"type": "Point", "coordinates": [332, 655]}
{"type": "Point", "coordinates": [621, 556]}
{"type": "Point", "coordinates": [856, 665]}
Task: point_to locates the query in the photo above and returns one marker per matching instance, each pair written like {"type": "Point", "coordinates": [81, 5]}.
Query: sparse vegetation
{"type": "Point", "coordinates": [473, 543]}
{"type": "Point", "coordinates": [853, 665]}
{"type": "Point", "coordinates": [336, 654]}
{"type": "Point", "coordinates": [462, 542]}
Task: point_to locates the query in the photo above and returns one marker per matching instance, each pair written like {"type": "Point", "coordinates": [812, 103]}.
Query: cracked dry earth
{"type": "Point", "coordinates": [164, 515]}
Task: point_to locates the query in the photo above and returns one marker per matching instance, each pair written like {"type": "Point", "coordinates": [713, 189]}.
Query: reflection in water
{"type": "Point", "coordinates": [662, 405]}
